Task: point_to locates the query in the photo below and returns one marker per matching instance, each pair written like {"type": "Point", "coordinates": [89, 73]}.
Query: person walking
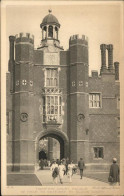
{"type": "Point", "coordinates": [61, 171]}
{"type": "Point", "coordinates": [114, 173]}
{"type": "Point", "coordinates": [81, 166]}
{"type": "Point", "coordinates": [55, 172]}
{"type": "Point", "coordinates": [41, 164]}
{"type": "Point", "coordinates": [58, 161]}
{"type": "Point", "coordinates": [70, 170]}
{"type": "Point", "coordinates": [66, 165]}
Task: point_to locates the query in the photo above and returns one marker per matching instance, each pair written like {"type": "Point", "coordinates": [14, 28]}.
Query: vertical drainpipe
{"type": "Point", "coordinates": [11, 62]}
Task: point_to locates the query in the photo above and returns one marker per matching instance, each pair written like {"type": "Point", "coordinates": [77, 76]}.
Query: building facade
{"type": "Point", "coordinates": [51, 97]}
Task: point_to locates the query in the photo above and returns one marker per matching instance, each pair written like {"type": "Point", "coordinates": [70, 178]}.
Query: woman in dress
{"type": "Point", "coordinates": [55, 172]}
{"type": "Point", "coordinates": [70, 170]}
{"type": "Point", "coordinates": [61, 172]}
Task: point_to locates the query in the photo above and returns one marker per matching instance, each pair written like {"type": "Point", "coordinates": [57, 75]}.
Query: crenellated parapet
{"type": "Point", "coordinates": [24, 37]}
{"type": "Point", "coordinates": [77, 36]}
{"type": "Point", "coordinates": [78, 39]}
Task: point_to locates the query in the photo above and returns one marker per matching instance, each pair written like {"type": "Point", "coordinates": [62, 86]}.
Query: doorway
{"type": "Point", "coordinates": [58, 149]}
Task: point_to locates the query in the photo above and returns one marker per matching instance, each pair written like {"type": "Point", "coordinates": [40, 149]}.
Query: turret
{"type": "Point", "coordinates": [24, 45]}
{"type": "Point", "coordinates": [22, 100]}
{"type": "Point", "coordinates": [79, 100]}
{"type": "Point", "coordinates": [78, 47]}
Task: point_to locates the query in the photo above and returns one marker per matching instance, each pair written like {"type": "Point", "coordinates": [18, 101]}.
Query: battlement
{"type": "Point", "coordinates": [24, 37]}
{"type": "Point", "coordinates": [77, 36]}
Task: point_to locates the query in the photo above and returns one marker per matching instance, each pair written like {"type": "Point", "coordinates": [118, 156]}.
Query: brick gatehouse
{"type": "Point", "coordinates": [54, 108]}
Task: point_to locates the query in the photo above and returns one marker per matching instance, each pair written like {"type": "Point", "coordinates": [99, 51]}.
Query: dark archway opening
{"type": "Point", "coordinates": [54, 147]}
{"type": "Point", "coordinates": [42, 155]}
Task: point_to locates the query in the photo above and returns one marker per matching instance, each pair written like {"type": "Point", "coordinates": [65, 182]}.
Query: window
{"type": "Point", "coordinates": [94, 100]}
{"type": "Point", "coordinates": [98, 152]}
{"type": "Point", "coordinates": [51, 77]}
{"type": "Point", "coordinates": [56, 33]}
{"type": "Point", "coordinates": [52, 108]}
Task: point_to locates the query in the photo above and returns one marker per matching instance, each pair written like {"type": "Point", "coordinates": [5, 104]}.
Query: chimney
{"type": "Point", "coordinates": [103, 57]}
{"type": "Point", "coordinates": [110, 56]}
{"type": "Point", "coordinates": [11, 52]}
{"type": "Point", "coordinates": [116, 65]}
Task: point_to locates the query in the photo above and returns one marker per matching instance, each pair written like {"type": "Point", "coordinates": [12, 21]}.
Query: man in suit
{"type": "Point", "coordinates": [81, 166]}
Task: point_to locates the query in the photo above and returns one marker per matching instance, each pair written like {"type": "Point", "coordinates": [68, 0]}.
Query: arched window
{"type": "Point", "coordinates": [44, 32]}
{"type": "Point", "coordinates": [50, 31]}
{"type": "Point", "coordinates": [56, 34]}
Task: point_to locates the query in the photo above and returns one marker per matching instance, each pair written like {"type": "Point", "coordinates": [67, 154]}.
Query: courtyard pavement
{"type": "Point", "coordinates": [17, 179]}
{"type": "Point", "coordinates": [45, 178]}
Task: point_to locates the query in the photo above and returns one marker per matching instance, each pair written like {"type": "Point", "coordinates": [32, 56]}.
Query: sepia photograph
{"type": "Point", "coordinates": [62, 64]}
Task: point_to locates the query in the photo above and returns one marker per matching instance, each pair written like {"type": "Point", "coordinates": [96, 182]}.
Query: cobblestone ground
{"type": "Point", "coordinates": [45, 178]}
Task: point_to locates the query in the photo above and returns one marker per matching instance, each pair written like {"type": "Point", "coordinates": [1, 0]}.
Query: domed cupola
{"type": "Point", "coordinates": [50, 27]}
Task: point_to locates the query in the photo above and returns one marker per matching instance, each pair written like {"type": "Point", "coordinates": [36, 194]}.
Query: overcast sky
{"type": "Point", "coordinates": [101, 23]}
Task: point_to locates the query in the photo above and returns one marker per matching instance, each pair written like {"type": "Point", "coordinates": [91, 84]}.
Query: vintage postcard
{"type": "Point", "coordinates": [62, 97]}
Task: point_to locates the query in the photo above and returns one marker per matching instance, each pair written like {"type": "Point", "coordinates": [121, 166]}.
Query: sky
{"type": "Point", "coordinates": [101, 23]}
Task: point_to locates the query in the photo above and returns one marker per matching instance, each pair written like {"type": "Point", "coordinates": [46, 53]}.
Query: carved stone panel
{"type": "Point", "coordinates": [51, 58]}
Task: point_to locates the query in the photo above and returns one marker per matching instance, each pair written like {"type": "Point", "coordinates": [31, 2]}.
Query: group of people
{"type": "Point", "coordinates": [65, 167]}
{"type": "Point", "coordinates": [43, 163]}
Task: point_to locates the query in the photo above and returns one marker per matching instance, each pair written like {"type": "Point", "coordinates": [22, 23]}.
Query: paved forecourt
{"type": "Point", "coordinates": [45, 177]}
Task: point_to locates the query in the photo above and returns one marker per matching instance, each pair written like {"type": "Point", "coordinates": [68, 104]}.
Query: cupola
{"type": "Point", "coordinates": [50, 27]}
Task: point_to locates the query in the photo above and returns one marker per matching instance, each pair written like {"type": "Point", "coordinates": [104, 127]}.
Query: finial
{"type": "Point", "coordinates": [50, 11]}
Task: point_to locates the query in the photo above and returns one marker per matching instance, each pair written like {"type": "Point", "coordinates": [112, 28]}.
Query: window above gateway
{"type": "Point", "coordinates": [94, 100]}
{"type": "Point", "coordinates": [51, 79]}
{"type": "Point", "coordinates": [52, 109]}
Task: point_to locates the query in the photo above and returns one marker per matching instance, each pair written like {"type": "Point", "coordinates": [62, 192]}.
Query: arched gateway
{"type": "Point", "coordinates": [60, 136]}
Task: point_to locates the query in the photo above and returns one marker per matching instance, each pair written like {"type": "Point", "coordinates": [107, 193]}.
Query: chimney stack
{"type": "Point", "coordinates": [103, 57]}
{"type": "Point", "coordinates": [110, 56]}
{"type": "Point", "coordinates": [116, 65]}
